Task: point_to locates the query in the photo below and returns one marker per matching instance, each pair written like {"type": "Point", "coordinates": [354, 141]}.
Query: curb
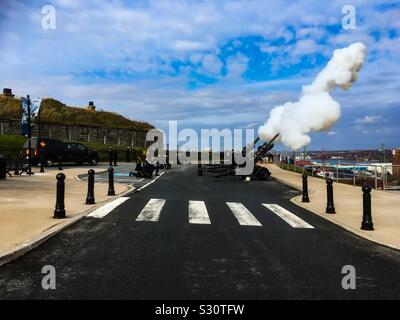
{"type": "Point", "coordinates": [25, 247]}
{"type": "Point", "coordinates": [356, 232]}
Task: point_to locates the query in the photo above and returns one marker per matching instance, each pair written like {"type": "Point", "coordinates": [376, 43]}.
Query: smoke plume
{"type": "Point", "coordinates": [315, 110]}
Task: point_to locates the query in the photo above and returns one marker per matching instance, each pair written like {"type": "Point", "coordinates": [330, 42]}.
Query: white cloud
{"type": "Point", "coordinates": [186, 45]}
{"type": "Point", "coordinates": [332, 133]}
{"type": "Point", "coordinates": [369, 120]}
{"type": "Point", "coordinates": [305, 46]}
{"type": "Point", "coordinates": [236, 67]}
{"type": "Point", "coordinates": [211, 64]}
{"type": "Point", "coordinates": [313, 32]}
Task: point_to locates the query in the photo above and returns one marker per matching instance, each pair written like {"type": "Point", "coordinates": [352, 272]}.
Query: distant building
{"type": "Point", "coordinates": [59, 121]}
{"type": "Point", "coordinates": [91, 106]}
{"type": "Point", "coordinates": [8, 92]}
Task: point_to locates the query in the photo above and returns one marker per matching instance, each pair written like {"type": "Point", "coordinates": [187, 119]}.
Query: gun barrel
{"type": "Point", "coordinates": [274, 138]}
{"type": "Point", "coordinates": [262, 150]}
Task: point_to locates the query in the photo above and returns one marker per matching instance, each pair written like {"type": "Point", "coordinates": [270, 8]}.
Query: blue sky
{"type": "Point", "coordinates": [207, 64]}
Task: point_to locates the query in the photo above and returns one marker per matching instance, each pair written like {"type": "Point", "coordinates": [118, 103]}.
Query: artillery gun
{"type": "Point", "coordinates": [222, 169]}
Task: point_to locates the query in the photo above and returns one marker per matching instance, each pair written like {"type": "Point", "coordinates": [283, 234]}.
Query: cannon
{"type": "Point", "coordinates": [222, 169]}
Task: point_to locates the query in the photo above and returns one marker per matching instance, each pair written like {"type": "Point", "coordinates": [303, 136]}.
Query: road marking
{"type": "Point", "coordinates": [243, 215]}
{"type": "Point", "coordinates": [198, 212]}
{"type": "Point", "coordinates": [147, 184]}
{"type": "Point", "coordinates": [287, 216]}
{"type": "Point", "coordinates": [152, 210]}
{"type": "Point", "coordinates": [107, 208]}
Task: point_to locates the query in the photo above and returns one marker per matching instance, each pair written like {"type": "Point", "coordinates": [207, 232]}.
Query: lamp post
{"type": "Point", "coordinates": [29, 136]}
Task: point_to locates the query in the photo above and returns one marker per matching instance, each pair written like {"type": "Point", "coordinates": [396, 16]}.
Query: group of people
{"type": "Point", "coordinates": [144, 169]}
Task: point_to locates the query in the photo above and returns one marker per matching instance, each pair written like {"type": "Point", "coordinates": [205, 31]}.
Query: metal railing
{"type": "Point", "coordinates": [384, 177]}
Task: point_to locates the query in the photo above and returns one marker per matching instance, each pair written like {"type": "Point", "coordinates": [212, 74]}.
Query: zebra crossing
{"type": "Point", "coordinates": [152, 210]}
{"type": "Point", "coordinates": [198, 213]}
{"type": "Point", "coordinates": [243, 216]}
{"type": "Point", "coordinates": [288, 217]}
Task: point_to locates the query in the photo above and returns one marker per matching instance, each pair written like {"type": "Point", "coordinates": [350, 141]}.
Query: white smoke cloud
{"type": "Point", "coordinates": [315, 110]}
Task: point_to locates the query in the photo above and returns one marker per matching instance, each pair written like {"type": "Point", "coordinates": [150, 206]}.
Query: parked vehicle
{"type": "Point", "coordinates": [51, 151]}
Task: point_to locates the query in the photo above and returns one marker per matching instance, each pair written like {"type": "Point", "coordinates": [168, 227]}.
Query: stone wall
{"type": "Point", "coordinates": [129, 137]}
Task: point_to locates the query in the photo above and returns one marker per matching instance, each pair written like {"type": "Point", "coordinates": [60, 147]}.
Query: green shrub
{"type": "Point", "coordinates": [11, 141]}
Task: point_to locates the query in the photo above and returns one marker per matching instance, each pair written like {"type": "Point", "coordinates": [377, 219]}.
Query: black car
{"type": "Point", "coordinates": [51, 151]}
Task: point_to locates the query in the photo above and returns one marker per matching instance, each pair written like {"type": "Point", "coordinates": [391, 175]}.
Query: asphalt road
{"type": "Point", "coordinates": [119, 257]}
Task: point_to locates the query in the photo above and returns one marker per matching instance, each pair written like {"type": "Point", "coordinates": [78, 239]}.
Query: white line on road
{"type": "Point", "coordinates": [243, 215]}
{"type": "Point", "coordinates": [152, 210]}
{"type": "Point", "coordinates": [147, 184]}
{"type": "Point", "coordinates": [198, 212]}
{"type": "Point", "coordinates": [287, 216]}
{"type": "Point", "coordinates": [107, 208]}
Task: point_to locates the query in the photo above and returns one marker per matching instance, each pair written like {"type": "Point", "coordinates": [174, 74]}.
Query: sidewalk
{"type": "Point", "coordinates": [27, 205]}
{"type": "Point", "coordinates": [348, 204]}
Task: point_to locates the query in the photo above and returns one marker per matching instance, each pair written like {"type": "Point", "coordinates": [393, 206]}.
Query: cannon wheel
{"type": "Point", "coordinates": [262, 173]}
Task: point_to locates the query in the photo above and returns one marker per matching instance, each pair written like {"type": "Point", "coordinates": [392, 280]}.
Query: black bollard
{"type": "Point", "coordinates": [115, 157]}
{"type": "Point", "coordinates": [90, 193]}
{"type": "Point", "coordinates": [110, 156]}
{"type": "Point", "coordinates": [330, 207]}
{"type": "Point", "coordinates": [367, 216]}
{"type": "Point", "coordinates": [199, 170]}
{"type": "Point", "coordinates": [127, 153]}
{"type": "Point", "coordinates": [305, 189]}
{"type": "Point", "coordinates": [59, 164]}
{"type": "Point", "coordinates": [111, 191]}
{"type": "Point", "coordinates": [41, 165]}
{"type": "Point", "coordinates": [157, 168]}
{"type": "Point", "coordinates": [59, 212]}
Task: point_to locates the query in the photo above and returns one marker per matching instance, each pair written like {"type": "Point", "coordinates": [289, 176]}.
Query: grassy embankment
{"type": "Point", "coordinates": [53, 111]}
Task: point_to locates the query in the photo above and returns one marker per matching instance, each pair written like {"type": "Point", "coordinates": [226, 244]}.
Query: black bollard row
{"type": "Point", "coordinates": [305, 197]}
{"type": "Point", "coordinates": [59, 212]}
{"type": "Point", "coordinates": [111, 191]}
{"type": "Point", "coordinates": [110, 156]}
{"type": "Point", "coordinates": [59, 164]}
{"type": "Point", "coordinates": [90, 193]}
{"type": "Point", "coordinates": [330, 207]}
{"type": "Point", "coordinates": [115, 157]}
{"type": "Point", "coordinates": [41, 164]}
{"type": "Point", "coordinates": [367, 215]}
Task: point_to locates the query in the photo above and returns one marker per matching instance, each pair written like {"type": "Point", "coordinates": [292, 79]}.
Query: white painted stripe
{"type": "Point", "coordinates": [152, 210]}
{"type": "Point", "coordinates": [198, 212]}
{"type": "Point", "coordinates": [147, 184]}
{"type": "Point", "coordinates": [107, 208]}
{"type": "Point", "coordinates": [244, 216]}
{"type": "Point", "coordinates": [287, 216]}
